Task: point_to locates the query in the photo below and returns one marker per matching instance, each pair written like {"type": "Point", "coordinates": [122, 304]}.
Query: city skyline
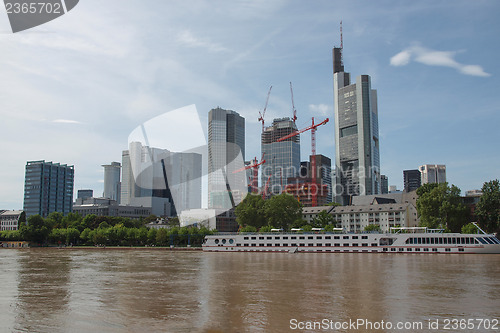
{"type": "Point", "coordinates": [74, 88]}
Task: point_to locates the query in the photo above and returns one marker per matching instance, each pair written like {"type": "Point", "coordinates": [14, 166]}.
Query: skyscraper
{"type": "Point", "coordinates": [412, 180]}
{"type": "Point", "coordinates": [226, 140]}
{"type": "Point", "coordinates": [112, 181]}
{"type": "Point", "coordinates": [433, 173]}
{"type": "Point", "coordinates": [384, 184]}
{"type": "Point", "coordinates": [357, 158]}
{"type": "Point", "coordinates": [282, 158]}
{"type": "Point", "coordinates": [48, 187]}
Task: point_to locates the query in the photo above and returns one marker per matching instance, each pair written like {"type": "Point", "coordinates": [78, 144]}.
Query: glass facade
{"type": "Point", "coordinates": [226, 141]}
{"type": "Point", "coordinates": [48, 187]}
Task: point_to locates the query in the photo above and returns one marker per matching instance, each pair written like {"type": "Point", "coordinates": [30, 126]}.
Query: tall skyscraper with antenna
{"type": "Point", "coordinates": [357, 157]}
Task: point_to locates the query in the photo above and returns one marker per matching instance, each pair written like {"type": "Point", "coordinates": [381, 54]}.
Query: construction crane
{"type": "Point", "coordinates": [261, 115]}
{"type": "Point", "coordinates": [293, 105]}
{"type": "Point", "coordinates": [313, 128]}
{"type": "Point", "coordinates": [255, 171]}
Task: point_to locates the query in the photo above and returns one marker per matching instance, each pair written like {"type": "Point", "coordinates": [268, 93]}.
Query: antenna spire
{"type": "Point", "coordinates": [341, 46]}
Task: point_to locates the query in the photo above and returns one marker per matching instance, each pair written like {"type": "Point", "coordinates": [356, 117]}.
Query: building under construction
{"type": "Point", "coordinates": [282, 158]}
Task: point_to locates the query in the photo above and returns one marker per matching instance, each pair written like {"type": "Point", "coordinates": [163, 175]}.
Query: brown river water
{"type": "Point", "coordinates": [152, 290]}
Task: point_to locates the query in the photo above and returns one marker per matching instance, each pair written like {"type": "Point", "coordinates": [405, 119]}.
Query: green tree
{"type": "Point", "coordinates": [372, 227]}
{"type": "Point", "coordinates": [162, 237]}
{"type": "Point", "coordinates": [86, 236]}
{"type": "Point", "coordinates": [152, 236]}
{"type": "Point", "coordinates": [55, 219]}
{"type": "Point", "coordinates": [250, 211]}
{"type": "Point", "coordinates": [282, 210]}
{"type": "Point", "coordinates": [469, 228]}
{"type": "Point", "coordinates": [266, 228]}
{"type": "Point", "coordinates": [440, 205]}
{"type": "Point", "coordinates": [36, 231]}
{"type": "Point", "coordinates": [248, 228]}
{"type": "Point", "coordinates": [322, 219]}
{"type": "Point", "coordinates": [488, 207]}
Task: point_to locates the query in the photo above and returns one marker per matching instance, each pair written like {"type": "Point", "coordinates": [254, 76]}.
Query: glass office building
{"type": "Point", "coordinates": [48, 187]}
{"type": "Point", "coordinates": [357, 157]}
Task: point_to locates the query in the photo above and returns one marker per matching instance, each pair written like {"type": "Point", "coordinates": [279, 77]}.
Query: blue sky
{"type": "Point", "coordinates": [73, 89]}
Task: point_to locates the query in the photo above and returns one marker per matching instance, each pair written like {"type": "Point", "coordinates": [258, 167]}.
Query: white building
{"type": "Point", "coordinates": [356, 218]}
{"type": "Point", "coordinates": [433, 173]}
{"type": "Point", "coordinates": [9, 220]}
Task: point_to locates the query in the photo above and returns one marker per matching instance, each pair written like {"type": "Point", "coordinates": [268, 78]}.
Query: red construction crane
{"type": "Point", "coordinates": [293, 105]}
{"type": "Point", "coordinates": [255, 166]}
{"type": "Point", "coordinates": [261, 115]}
{"type": "Point", "coordinates": [266, 187]}
{"type": "Point", "coordinates": [313, 150]}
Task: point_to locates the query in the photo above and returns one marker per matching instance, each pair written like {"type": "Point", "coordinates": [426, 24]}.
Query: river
{"type": "Point", "coordinates": [134, 290]}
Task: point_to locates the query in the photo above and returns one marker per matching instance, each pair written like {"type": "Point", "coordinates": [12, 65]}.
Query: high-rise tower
{"type": "Point", "coordinates": [282, 158]}
{"type": "Point", "coordinates": [112, 181]}
{"type": "Point", "coordinates": [226, 140]}
{"type": "Point", "coordinates": [357, 159]}
{"type": "Point", "coordinates": [48, 187]}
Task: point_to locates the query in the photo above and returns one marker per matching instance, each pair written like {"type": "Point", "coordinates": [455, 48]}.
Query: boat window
{"type": "Point", "coordinates": [336, 237]}
{"type": "Point", "coordinates": [427, 240]}
{"type": "Point", "coordinates": [302, 244]}
{"type": "Point", "coordinates": [345, 237]}
{"type": "Point", "coordinates": [277, 237]}
{"type": "Point", "coordinates": [261, 244]}
{"type": "Point", "coordinates": [487, 239]}
{"type": "Point", "coordinates": [270, 245]}
{"type": "Point", "coordinates": [238, 244]}
{"type": "Point", "coordinates": [445, 240]}
{"type": "Point", "coordinates": [364, 244]}
{"type": "Point", "coordinates": [432, 240]}
{"type": "Point", "coordinates": [447, 249]}
{"type": "Point", "coordinates": [276, 244]}
{"type": "Point", "coordinates": [374, 244]}
{"type": "Point", "coordinates": [419, 240]}
{"type": "Point", "coordinates": [294, 237]}
{"type": "Point", "coordinates": [328, 237]}
{"type": "Point", "coordinates": [408, 249]}
{"type": "Point", "coordinates": [269, 237]}
{"type": "Point", "coordinates": [426, 249]}
{"type": "Point", "coordinates": [261, 237]}
{"type": "Point", "coordinates": [231, 241]}
{"type": "Point", "coordinates": [354, 244]}
{"type": "Point", "coordinates": [216, 241]}
{"type": "Point", "coordinates": [440, 240]}
{"type": "Point", "coordinates": [254, 237]}
{"type": "Point", "coordinates": [285, 244]}
{"type": "Point", "coordinates": [319, 244]}
{"type": "Point", "coordinates": [434, 250]}
{"type": "Point", "coordinates": [401, 249]}
{"type": "Point", "coordinates": [328, 244]}
{"type": "Point", "coordinates": [364, 237]}
{"type": "Point", "coordinates": [294, 244]}
{"type": "Point", "coordinates": [285, 237]}
{"type": "Point", "coordinates": [310, 237]}
{"type": "Point", "coordinates": [467, 240]}
{"type": "Point", "coordinates": [336, 244]}
{"type": "Point", "coordinates": [495, 240]}
{"type": "Point", "coordinates": [302, 237]}
{"type": "Point", "coordinates": [346, 244]}
{"type": "Point", "coordinates": [384, 249]}
{"type": "Point", "coordinates": [393, 249]}
{"type": "Point", "coordinates": [245, 238]}
{"type": "Point", "coordinates": [254, 244]}
{"type": "Point", "coordinates": [461, 249]}
{"type": "Point", "coordinates": [417, 249]}
{"type": "Point", "coordinates": [319, 237]}
{"type": "Point", "coordinates": [354, 237]}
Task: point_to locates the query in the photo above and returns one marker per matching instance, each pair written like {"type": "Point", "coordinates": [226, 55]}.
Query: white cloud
{"type": "Point", "coordinates": [321, 109]}
{"type": "Point", "coordinates": [187, 38]}
{"type": "Point", "coordinates": [435, 58]}
{"type": "Point", "coordinates": [66, 121]}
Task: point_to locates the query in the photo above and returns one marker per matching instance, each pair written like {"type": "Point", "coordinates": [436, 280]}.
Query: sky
{"type": "Point", "coordinates": [72, 90]}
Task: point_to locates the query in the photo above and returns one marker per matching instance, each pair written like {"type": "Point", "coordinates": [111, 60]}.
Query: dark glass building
{"type": "Point", "coordinates": [48, 187]}
{"type": "Point", "coordinates": [411, 179]}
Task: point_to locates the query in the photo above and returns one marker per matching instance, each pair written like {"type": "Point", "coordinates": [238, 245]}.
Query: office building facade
{"type": "Point", "coordinates": [282, 158]}
{"type": "Point", "coordinates": [357, 159]}
{"type": "Point", "coordinates": [384, 184]}
{"type": "Point", "coordinates": [411, 180]}
{"type": "Point", "coordinates": [433, 173]}
{"type": "Point", "coordinates": [48, 187]}
{"type": "Point", "coordinates": [112, 181]}
{"type": "Point", "coordinates": [226, 143]}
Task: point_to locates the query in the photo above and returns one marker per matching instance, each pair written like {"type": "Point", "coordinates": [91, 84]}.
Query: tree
{"type": "Point", "coordinates": [322, 219]}
{"type": "Point", "coordinates": [440, 205]}
{"type": "Point", "coordinates": [469, 229]}
{"type": "Point", "coordinates": [282, 210]}
{"type": "Point", "coordinates": [36, 231]}
{"type": "Point", "coordinates": [488, 207]}
{"type": "Point", "coordinates": [250, 211]}
{"type": "Point", "coordinates": [372, 227]}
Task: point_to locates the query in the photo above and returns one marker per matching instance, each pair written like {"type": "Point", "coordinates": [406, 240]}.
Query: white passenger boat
{"type": "Point", "coordinates": [400, 240]}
